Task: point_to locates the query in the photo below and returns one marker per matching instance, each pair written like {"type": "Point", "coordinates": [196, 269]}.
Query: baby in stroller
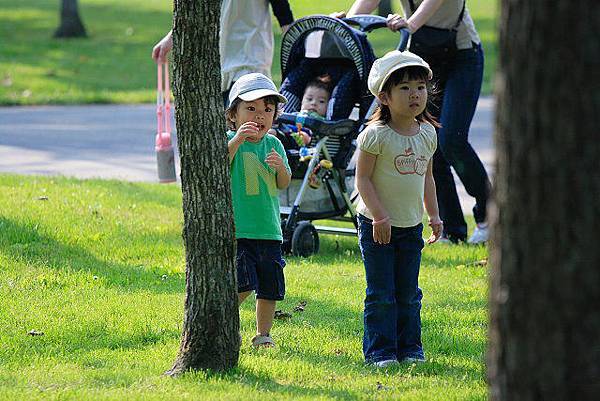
{"type": "Point", "coordinates": [314, 105]}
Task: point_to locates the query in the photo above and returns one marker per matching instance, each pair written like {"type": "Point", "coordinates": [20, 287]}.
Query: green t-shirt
{"type": "Point", "coordinates": [254, 189]}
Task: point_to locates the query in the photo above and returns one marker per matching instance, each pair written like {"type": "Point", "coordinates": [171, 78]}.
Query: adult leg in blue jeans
{"type": "Point", "coordinates": [460, 81]}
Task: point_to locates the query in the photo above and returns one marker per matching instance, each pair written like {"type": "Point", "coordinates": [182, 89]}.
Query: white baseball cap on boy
{"type": "Point", "coordinates": [384, 67]}
{"type": "Point", "coordinates": [253, 86]}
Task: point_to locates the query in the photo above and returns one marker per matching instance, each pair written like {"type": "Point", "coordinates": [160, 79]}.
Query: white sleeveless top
{"type": "Point", "coordinates": [446, 16]}
{"type": "Point", "coordinates": [246, 39]}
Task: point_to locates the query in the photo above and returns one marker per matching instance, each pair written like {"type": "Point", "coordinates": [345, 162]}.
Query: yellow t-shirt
{"type": "Point", "coordinates": [399, 172]}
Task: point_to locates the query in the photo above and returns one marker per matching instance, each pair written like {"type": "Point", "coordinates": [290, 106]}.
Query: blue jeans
{"type": "Point", "coordinates": [458, 83]}
{"type": "Point", "coordinates": [392, 316]}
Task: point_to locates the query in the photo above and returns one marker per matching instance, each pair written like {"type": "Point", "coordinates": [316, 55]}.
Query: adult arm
{"type": "Point", "coordinates": [419, 18]}
{"type": "Point", "coordinates": [422, 14]}
{"type": "Point", "coordinates": [431, 205]}
{"type": "Point", "coordinates": [363, 7]}
{"type": "Point", "coordinates": [283, 13]}
{"type": "Point", "coordinates": [365, 165]}
{"type": "Point", "coordinates": [162, 48]}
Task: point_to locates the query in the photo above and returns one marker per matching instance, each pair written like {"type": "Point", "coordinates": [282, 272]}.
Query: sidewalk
{"type": "Point", "coordinates": [117, 141]}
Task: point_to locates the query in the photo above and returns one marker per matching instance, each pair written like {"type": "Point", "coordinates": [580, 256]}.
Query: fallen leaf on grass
{"type": "Point", "coordinates": [482, 262]}
{"type": "Point", "coordinates": [42, 198]}
{"type": "Point", "coordinates": [381, 386]}
{"type": "Point", "coordinates": [300, 307]}
{"type": "Point", "coordinates": [279, 314]}
{"type": "Point", "coordinates": [35, 333]}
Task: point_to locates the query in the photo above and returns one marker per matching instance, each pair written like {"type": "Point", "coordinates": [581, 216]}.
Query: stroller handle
{"type": "Point", "coordinates": [404, 36]}
{"type": "Point", "coordinates": [368, 23]}
{"type": "Point", "coordinates": [320, 127]}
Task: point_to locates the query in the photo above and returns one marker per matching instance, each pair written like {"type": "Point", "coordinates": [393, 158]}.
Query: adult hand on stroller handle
{"type": "Point", "coordinates": [368, 23]}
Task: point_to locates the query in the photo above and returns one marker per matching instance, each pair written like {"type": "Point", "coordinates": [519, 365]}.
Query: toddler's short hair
{"type": "Point", "coordinates": [231, 111]}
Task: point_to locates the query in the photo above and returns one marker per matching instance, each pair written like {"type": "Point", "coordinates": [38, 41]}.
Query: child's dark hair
{"type": "Point", "coordinates": [322, 82]}
{"type": "Point", "coordinates": [382, 112]}
{"type": "Point", "coordinates": [231, 111]}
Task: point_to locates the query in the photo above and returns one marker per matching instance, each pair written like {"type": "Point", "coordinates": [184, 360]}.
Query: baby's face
{"type": "Point", "coordinates": [315, 99]}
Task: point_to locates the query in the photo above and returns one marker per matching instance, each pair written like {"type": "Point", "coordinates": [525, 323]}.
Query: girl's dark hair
{"type": "Point", "coordinates": [231, 111]}
{"type": "Point", "coordinates": [322, 82]}
{"type": "Point", "coordinates": [382, 112]}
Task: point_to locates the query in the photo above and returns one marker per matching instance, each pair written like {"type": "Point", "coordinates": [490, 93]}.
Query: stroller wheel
{"type": "Point", "coordinates": [305, 240]}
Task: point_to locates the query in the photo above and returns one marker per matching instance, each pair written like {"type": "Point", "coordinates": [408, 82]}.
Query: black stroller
{"type": "Point", "coordinates": [313, 46]}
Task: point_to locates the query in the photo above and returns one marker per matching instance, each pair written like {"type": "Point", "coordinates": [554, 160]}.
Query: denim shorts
{"type": "Point", "coordinates": [260, 268]}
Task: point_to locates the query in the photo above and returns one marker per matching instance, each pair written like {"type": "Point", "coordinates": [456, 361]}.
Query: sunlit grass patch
{"type": "Point", "coordinates": [98, 268]}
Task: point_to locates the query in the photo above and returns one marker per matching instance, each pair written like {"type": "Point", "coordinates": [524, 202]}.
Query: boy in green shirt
{"type": "Point", "coordinates": [259, 168]}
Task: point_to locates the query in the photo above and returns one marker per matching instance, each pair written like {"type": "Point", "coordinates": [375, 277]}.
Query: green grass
{"type": "Point", "coordinates": [113, 65]}
{"type": "Point", "coordinates": [98, 267]}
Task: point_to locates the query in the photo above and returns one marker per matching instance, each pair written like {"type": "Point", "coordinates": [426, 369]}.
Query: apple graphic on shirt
{"type": "Point", "coordinates": [405, 163]}
{"type": "Point", "coordinates": [421, 165]}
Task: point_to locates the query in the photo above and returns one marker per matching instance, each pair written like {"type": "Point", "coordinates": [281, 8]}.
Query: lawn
{"type": "Point", "coordinates": [98, 268]}
{"type": "Point", "coordinates": [113, 65]}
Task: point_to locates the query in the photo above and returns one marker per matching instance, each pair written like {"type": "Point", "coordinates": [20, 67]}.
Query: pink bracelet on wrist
{"type": "Point", "coordinates": [385, 219]}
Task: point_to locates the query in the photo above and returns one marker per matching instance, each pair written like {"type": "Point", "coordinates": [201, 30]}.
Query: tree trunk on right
{"type": "Point", "coordinates": [545, 251]}
{"type": "Point", "coordinates": [70, 22]}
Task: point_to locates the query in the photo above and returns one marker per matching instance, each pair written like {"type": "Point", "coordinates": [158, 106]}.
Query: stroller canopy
{"type": "Point", "coordinates": [317, 40]}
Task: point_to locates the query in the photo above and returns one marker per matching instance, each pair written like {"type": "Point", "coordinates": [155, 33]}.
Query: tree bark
{"type": "Point", "coordinates": [545, 257]}
{"type": "Point", "coordinates": [210, 338]}
{"type": "Point", "coordinates": [70, 22]}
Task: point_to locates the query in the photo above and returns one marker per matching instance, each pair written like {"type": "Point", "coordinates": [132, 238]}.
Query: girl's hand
{"type": "Point", "coordinates": [396, 22]}
{"type": "Point", "coordinates": [274, 160]}
{"type": "Point", "coordinates": [247, 131]}
{"type": "Point", "coordinates": [382, 232]}
{"type": "Point", "coordinates": [437, 227]}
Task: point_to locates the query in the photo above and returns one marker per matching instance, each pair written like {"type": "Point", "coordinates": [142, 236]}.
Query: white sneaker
{"type": "Point", "coordinates": [480, 235]}
{"type": "Point", "coordinates": [386, 363]}
{"type": "Point", "coordinates": [410, 359]}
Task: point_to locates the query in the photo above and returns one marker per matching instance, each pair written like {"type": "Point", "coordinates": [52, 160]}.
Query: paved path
{"type": "Point", "coordinates": [117, 141]}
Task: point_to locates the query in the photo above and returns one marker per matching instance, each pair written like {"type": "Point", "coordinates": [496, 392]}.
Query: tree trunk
{"type": "Point", "coordinates": [70, 23]}
{"type": "Point", "coordinates": [545, 255]}
{"type": "Point", "coordinates": [210, 338]}
{"type": "Point", "coordinates": [385, 8]}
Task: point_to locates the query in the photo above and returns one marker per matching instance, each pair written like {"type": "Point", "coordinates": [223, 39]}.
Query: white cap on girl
{"type": "Point", "coordinates": [384, 67]}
